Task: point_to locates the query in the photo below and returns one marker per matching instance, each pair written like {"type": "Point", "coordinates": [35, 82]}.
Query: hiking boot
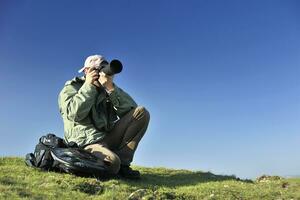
{"type": "Point", "coordinates": [127, 172]}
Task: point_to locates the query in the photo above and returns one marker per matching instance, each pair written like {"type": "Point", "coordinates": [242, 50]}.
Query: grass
{"type": "Point", "coordinates": [17, 181]}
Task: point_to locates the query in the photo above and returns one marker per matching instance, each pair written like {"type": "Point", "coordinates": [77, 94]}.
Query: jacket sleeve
{"type": "Point", "coordinates": [121, 101]}
{"type": "Point", "coordinates": [76, 104]}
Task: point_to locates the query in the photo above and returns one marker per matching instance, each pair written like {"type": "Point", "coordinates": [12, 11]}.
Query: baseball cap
{"type": "Point", "coordinates": [92, 61]}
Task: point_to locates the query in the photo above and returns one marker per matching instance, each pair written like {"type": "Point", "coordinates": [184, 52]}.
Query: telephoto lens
{"type": "Point", "coordinates": [114, 67]}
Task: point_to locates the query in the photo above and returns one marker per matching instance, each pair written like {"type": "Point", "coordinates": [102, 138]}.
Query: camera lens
{"type": "Point", "coordinates": [114, 67]}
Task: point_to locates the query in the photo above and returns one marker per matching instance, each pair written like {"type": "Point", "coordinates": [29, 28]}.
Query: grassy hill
{"type": "Point", "coordinates": [17, 181]}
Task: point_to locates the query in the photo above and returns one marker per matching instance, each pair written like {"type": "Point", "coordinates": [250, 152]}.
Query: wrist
{"type": "Point", "coordinates": [96, 83]}
{"type": "Point", "coordinates": [110, 88]}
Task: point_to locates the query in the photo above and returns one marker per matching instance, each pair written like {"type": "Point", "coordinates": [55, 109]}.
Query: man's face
{"type": "Point", "coordinates": [99, 64]}
{"type": "Point", "coordinates": [95, 63]}
{"type": "Point", "coordinates": [87, 69]}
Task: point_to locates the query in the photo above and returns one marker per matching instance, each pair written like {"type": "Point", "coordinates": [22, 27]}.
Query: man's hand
{"type": "Point", "coordinates": [92, 76]}
{"type": "Point", "coordinates": [106, 81]}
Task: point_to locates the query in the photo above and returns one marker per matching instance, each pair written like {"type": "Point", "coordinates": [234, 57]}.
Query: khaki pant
{"type": "Point", "coordinates": [119, 145]}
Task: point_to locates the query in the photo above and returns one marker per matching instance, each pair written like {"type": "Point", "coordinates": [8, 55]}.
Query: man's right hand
{"type": "Point", "coordinates": [92, 77]}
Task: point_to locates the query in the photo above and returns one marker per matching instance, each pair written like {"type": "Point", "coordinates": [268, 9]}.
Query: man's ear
{"type": "Point", "coordinates": [85, 71]}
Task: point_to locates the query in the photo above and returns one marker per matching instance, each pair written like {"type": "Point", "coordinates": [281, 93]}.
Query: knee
{"type": "Point", "coordinates": [141, 112]}
{"type": "Point", "coordinates": [146, 113]}
{"type": "Point", "coordinates": [114, 164]}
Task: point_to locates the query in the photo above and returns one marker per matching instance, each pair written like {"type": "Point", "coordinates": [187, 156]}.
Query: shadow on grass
{"type": "Point", "coordinates": [15, 186]}
{"type": "Point", "coordinates": [181, 179]}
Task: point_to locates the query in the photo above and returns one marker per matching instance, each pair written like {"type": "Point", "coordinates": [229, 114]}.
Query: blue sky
{"type": "Point", "coordinates": [220, 78]}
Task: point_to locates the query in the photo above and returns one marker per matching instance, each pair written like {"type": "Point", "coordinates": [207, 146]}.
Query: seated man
{"type": "Point", "coordinates": [101, 118]}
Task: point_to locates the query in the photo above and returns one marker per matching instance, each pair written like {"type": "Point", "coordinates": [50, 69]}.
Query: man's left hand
{"type": "Point", "coordinates": [106, 81]}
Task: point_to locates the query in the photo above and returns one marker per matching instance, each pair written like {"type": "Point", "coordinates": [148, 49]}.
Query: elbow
{"type": "Point", "coordinates": [75, 116]}
{"type": "Point", "coordinates": [71, 117]}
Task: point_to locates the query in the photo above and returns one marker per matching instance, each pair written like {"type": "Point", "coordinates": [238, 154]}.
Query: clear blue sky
{"type": "Point", "coordinates": [220, 78]}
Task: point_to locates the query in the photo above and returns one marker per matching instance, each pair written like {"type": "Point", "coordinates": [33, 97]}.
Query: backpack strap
{"type": "Point", "coordinates": [30, 160]}
{"type": "Point", "coordinates": [52, 141]}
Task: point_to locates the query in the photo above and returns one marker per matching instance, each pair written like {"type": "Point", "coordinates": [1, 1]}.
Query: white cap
{"type": "Point", "coordinates": [92, 61]}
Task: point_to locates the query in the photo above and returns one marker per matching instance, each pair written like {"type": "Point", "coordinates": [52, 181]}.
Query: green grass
{"type": "Point", "coordinates": [17, 181]}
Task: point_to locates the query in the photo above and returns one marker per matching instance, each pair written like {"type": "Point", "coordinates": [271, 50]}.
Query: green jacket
{"type": "Point", "coordinates": [85, 111]}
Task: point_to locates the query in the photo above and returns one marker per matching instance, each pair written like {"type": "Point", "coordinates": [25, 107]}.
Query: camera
{"type": "Point", "coordinates": [114, 67]}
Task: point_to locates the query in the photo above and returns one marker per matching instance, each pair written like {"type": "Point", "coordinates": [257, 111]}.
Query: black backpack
{"type": "Point", "coordinates": [52, 153]}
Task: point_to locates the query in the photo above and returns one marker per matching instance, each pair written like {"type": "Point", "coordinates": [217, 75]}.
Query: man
{"type": "Point", "coordinates": [101, 118]}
